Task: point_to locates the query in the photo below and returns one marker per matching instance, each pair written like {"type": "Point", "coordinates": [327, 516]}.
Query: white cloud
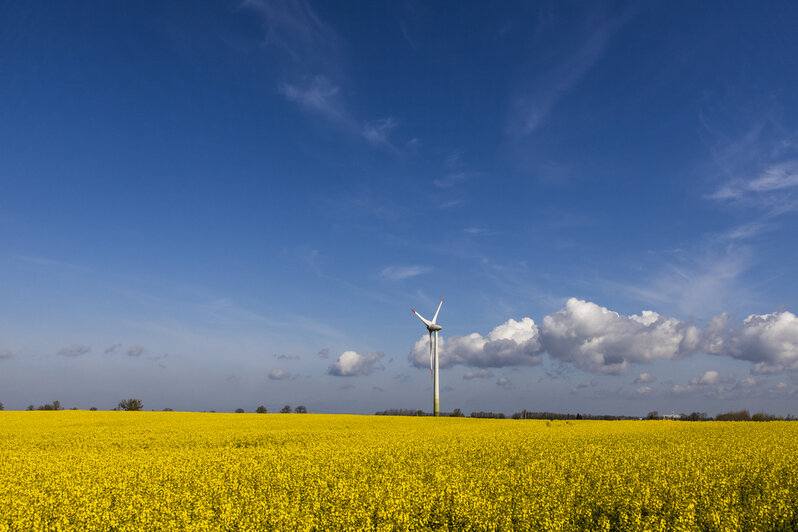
{"type": "Point", "coordinates": [514, 343]}
{"type": "Point", "coordinates": [643, 390]}
{"type": "Point", "coordinates": [479, 374]}
{"type": "Point", "coordinates": [599, 340]}
{"type": "Point", "coordinates": [709, 377]}
{"type": "Point", "coordinates": [279, 375]}
{"type": "Point", "coordinates": [350, 364]}
{"type": "Point", "coordinates": [398, 273]}
{"type": "Point", "coordinates": [768, 340]}
{"type": "Point", "coordinates": [74, 350]}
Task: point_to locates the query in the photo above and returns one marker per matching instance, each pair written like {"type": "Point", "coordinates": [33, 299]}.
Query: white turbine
{"type": "Point", "coordinates": [433, 329]}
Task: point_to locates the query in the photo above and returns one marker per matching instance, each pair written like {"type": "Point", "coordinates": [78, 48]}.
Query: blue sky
{"type": "Point", "coordinates": [222, 205]}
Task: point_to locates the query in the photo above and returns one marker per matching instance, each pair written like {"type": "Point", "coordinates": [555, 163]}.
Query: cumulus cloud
{"type": "Point", "coordinates": [112, 348]}
{"type": "Point", "coordinates": [596, 339]}
{"type": "Point", "coordinates": [643, 378]}
{"type": "Point", "coordinates": [74, 350]}
{"type": "Point", "coordinates": [513, 343]}
{"type": "Point", "coordinates": [709, 377]}
{"type": "Point", "coordinates": [135, 351]}
{"type": "Point", "coordinates": [643, 390]}
{"type": "Point", "coordinates": [768, 340]}
{"type": "Point", "coordinates": [479, 374]}
{"type": "Point", "coordinates": [5, 353]}
{"type": "Point", "coordinates": [503, 382]}
{"type": "Point", "coordinates": [351, 363]}
{"type": "Point", "coordinates": [279, 375]}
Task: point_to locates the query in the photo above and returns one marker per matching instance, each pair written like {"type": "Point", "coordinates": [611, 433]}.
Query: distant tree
{"type": "Point", "coordinates": [55, 405]}
{"type": "Point", "coordinates": [31, 407]}
{"type": "Point", "coordinates": [167, 409]}
{"type": "Point", "coordinates": [93, 409]}
{"type": "Point", "coordinates": [696, 416]}
{"type": "Point", "coordinates": [130, 404]}
{"type": "Point", "coordinates": [2, 407]}
{"type": "Point", "coordinates": [741, 415]}
{"type": "Point", "coordinates": [301, 410]}
{"type": "Point", "coordinates": [286, 409]}
{"type": "Point", "coordinates": [260, 410]}
{"type": "Point", "coordinates": [420, 413]}
{"type": "Point", "coordinates": [762, 416]}
{"type": "Point", "coordinates": [653, 415]}
{"type": "Point", "coordinates": [239, 410]}
{"type": "Point", "coordinates": [458, 413]}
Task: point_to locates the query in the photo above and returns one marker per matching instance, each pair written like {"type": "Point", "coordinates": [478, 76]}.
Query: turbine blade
{"type": "Point", "coordinates": [422, 318]}
{"type": "Point", "coordinates": [435, 317]}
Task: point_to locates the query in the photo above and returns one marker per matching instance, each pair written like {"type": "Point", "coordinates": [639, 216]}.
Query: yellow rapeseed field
{"type": "Point", "coordinates": [75, 470]}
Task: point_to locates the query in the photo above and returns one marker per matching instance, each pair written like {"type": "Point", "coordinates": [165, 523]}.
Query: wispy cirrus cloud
{"type": "Point", "coordinates": [399, 273]}
{"type": "Point", "coordinates": [772, 189]}
{"type": "Point", "coordinates": [316, 77]}
{"type": "Point", "coordinates": [318, 96]}
{"type": "Point", "coordinates": [533, 104]}
{"type": "Point", "coordinates": [376, 132]}
{"type": "Point", "coordinates": [297, 29]}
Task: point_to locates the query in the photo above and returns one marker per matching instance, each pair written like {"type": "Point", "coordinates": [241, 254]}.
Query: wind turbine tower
{"type": "Point", "coordinates": [433, 329]}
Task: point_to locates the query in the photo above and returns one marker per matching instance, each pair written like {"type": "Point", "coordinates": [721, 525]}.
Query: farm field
{"type": "Point", "coordinates": [78, 470]}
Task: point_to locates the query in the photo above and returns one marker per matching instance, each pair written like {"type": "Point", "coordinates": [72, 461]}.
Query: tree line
{"type": "Point", "coordinates": [134, 405]}
{"type": "Point", "coordinates": [741, 415]}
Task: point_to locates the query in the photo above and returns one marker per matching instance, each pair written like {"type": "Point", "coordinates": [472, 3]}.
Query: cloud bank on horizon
{"type": "Point", "coordinates": [598, 340]}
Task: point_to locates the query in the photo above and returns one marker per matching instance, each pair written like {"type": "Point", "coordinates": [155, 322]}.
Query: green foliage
{"type": "Point", "coordinates": [260, 410]}
{"type": "Point", "coordinates": [130, 405]}
{"type": "Point", "coordinates": [741, 415]}
{"type": "Point", "coordinates": [301, 410]}
{"type": "Point", "coordinates": [286, 409]}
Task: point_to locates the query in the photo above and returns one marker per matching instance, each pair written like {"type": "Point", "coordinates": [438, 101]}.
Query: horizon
{"type": "Point", "coordinates": [212, 206]}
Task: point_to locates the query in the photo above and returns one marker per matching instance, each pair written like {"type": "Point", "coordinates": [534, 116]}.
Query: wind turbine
{"type": "Point", "coordinates": [433, 329]}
